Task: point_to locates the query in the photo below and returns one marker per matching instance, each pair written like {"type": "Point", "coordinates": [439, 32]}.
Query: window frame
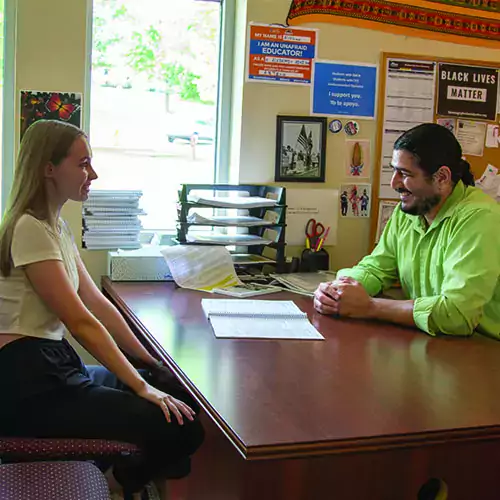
{"type": "Point", "coordinates": [224, 92]}
{"type": "Point", "coordinates": [9, 100]}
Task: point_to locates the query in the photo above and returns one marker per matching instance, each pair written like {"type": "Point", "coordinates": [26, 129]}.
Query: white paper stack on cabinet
{"type": "Point", "coordinates": [111, 220]}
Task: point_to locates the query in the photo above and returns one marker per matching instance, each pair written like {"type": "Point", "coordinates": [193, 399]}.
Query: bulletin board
{"type": "Point", "coordinates": [420, 65]}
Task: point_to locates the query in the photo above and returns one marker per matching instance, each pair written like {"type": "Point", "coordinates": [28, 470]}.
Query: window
{"type": "Point", "coordinates": [2, 45]}
{"type": "Point", "coordinates": [154, 98]}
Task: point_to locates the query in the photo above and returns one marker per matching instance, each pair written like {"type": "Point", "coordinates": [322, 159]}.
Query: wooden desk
{"type": "Point", "coordinates": [372, 412]}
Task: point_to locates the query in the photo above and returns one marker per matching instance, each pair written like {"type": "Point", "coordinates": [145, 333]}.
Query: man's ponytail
{"type": "Point", "coordinates": [466, 173]}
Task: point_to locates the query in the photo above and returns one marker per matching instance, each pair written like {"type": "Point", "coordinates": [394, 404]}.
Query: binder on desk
{"type": "Point", "coordinates": [258, 319]}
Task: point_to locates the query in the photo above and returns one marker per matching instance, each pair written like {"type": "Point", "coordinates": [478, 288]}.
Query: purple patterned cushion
{"type": "Point", "coordinates": [51, 480]}
{"type": "Point", "coordinates": [27, 449]}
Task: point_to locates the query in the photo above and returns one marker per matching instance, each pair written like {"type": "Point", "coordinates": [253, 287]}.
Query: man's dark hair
{"type": "Point", "coordinates": [434, 146]}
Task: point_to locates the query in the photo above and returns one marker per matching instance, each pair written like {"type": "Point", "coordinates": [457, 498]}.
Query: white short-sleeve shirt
{"type": "Point", "coordinates": [22, 311]}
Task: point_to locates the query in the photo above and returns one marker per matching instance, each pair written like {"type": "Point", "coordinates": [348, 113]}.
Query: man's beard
{"type": "Point", "coordinates": [422, 206]}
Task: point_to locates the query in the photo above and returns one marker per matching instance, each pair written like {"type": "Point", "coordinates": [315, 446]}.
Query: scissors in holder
{"type": "Point", "coordinates": [314, 231]}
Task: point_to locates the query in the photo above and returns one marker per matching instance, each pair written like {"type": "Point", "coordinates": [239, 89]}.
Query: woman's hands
{"type": "Point", "coordinates": [167, 403]}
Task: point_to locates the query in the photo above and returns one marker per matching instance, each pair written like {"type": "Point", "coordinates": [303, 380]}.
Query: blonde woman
{"type": "Point", "coordinates": [45, 292]}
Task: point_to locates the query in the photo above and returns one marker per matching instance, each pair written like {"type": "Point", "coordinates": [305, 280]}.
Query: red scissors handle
{"type": "Point", "coordinates": [320, 229]}
{"type": "Point", "coordinates": [314, 229]}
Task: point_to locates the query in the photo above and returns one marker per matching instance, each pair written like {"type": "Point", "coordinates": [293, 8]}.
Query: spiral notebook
{"type": "Point", "coordinates": [258, 319]}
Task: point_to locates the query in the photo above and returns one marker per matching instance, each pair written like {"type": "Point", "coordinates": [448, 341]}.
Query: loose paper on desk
{"type": "Point", "coordinates": [305, 283]}
{"type": "Point", "coordinates": [304, 204]}
{"type": "Point", "coordinates": [201, 267]}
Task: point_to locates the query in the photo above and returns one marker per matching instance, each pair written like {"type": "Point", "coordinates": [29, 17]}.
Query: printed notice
{"type": "Point", "coordinates": [471, 137]}
{"type": "Point", "coordinates": [281, 54]}
{"type": "Point", "coordinates": [409, 101]}
{"type": "Point", "coordinates": [341, 89]}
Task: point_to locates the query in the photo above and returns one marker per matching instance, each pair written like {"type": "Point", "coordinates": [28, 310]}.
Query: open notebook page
{"type": "Point", "coordinates": [233, 327]}
{"type": "Point", "coordinates": [258, 319]}
{"type": "Point", "coordinates": [267, 308]}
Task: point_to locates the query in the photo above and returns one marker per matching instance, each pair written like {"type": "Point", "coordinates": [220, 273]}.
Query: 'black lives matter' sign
{"type": "Point", "coordinates": [467, 92]}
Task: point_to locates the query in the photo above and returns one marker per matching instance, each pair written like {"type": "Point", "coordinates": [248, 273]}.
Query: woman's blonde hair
{"type": "Point", "coordinates": [44, 142]}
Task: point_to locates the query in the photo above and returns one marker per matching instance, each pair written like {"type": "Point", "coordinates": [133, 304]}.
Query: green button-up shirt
{"type": "Point", "coordinates": [450, 269]}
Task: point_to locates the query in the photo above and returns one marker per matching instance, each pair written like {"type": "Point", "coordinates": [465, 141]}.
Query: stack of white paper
{"type": "Point", "coordinates": [111, 219]}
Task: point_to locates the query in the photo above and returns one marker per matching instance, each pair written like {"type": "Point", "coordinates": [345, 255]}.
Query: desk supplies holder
{"type": "Point", "coordinates": [314, 261]}
{"type": "Point", "coordinates": [277, 223]}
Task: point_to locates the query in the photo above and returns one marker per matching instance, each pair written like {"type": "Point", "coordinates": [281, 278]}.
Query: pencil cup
{"type": "Point", "coordinates": [314, 261]}
{"type": "Point", "coordinates": [293, 265]}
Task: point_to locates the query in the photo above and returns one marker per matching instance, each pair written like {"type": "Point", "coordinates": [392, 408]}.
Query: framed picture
{"type": "Point", "coordinates": [300, 149]}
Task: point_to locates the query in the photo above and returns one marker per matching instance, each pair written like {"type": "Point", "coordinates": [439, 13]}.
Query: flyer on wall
{"type": "Point", "coordinates": [278, 54]}
{"type": "Point", "coordinates": [409, 101]}
{"type": "Point", "coordinates": [355, 200]}
{"type": "Point", "coordinates": [469, 92]}
{"type": "Point", "coordinates": [471, 136]}
{"type": "Point", "coordinates": [344, 89]}
{"type": "Point", "coordinates": [449, 123]}
{"type": "Point", "coordinates": [357, 158]}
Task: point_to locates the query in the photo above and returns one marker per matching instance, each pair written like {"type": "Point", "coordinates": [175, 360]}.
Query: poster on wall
{"type": "Point", "coordinates": [385, 210]}
{"type": "Point", "coordinates": [63, 106]}
{"type": "Point", "coordinates": [409, 101]}
{"type": "Point", "coordinates": [467, 92]}
{"type": "Point", "coordinates": [355, 200]}
{"type": "Point", "coordinates": [357, 159]}
{"type": "Point", "coordinates": [280, 54]}
{"type": "Point", "coordinates": [341, 89]}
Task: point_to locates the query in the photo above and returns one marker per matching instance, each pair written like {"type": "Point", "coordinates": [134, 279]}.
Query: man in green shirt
{"type": "Point", "coordinates": [442, 244]}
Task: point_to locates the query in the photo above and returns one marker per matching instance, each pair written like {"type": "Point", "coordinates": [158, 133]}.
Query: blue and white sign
{"type": "Point", "coordinates": [341, 89]}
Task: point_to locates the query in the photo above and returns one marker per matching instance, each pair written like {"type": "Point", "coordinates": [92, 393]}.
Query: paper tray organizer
{"type": "Point", "coordinates": [276, 215]}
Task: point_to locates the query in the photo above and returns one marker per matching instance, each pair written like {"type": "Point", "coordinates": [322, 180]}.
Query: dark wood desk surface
{"type": "Point", "coordinates": [368, 386]}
